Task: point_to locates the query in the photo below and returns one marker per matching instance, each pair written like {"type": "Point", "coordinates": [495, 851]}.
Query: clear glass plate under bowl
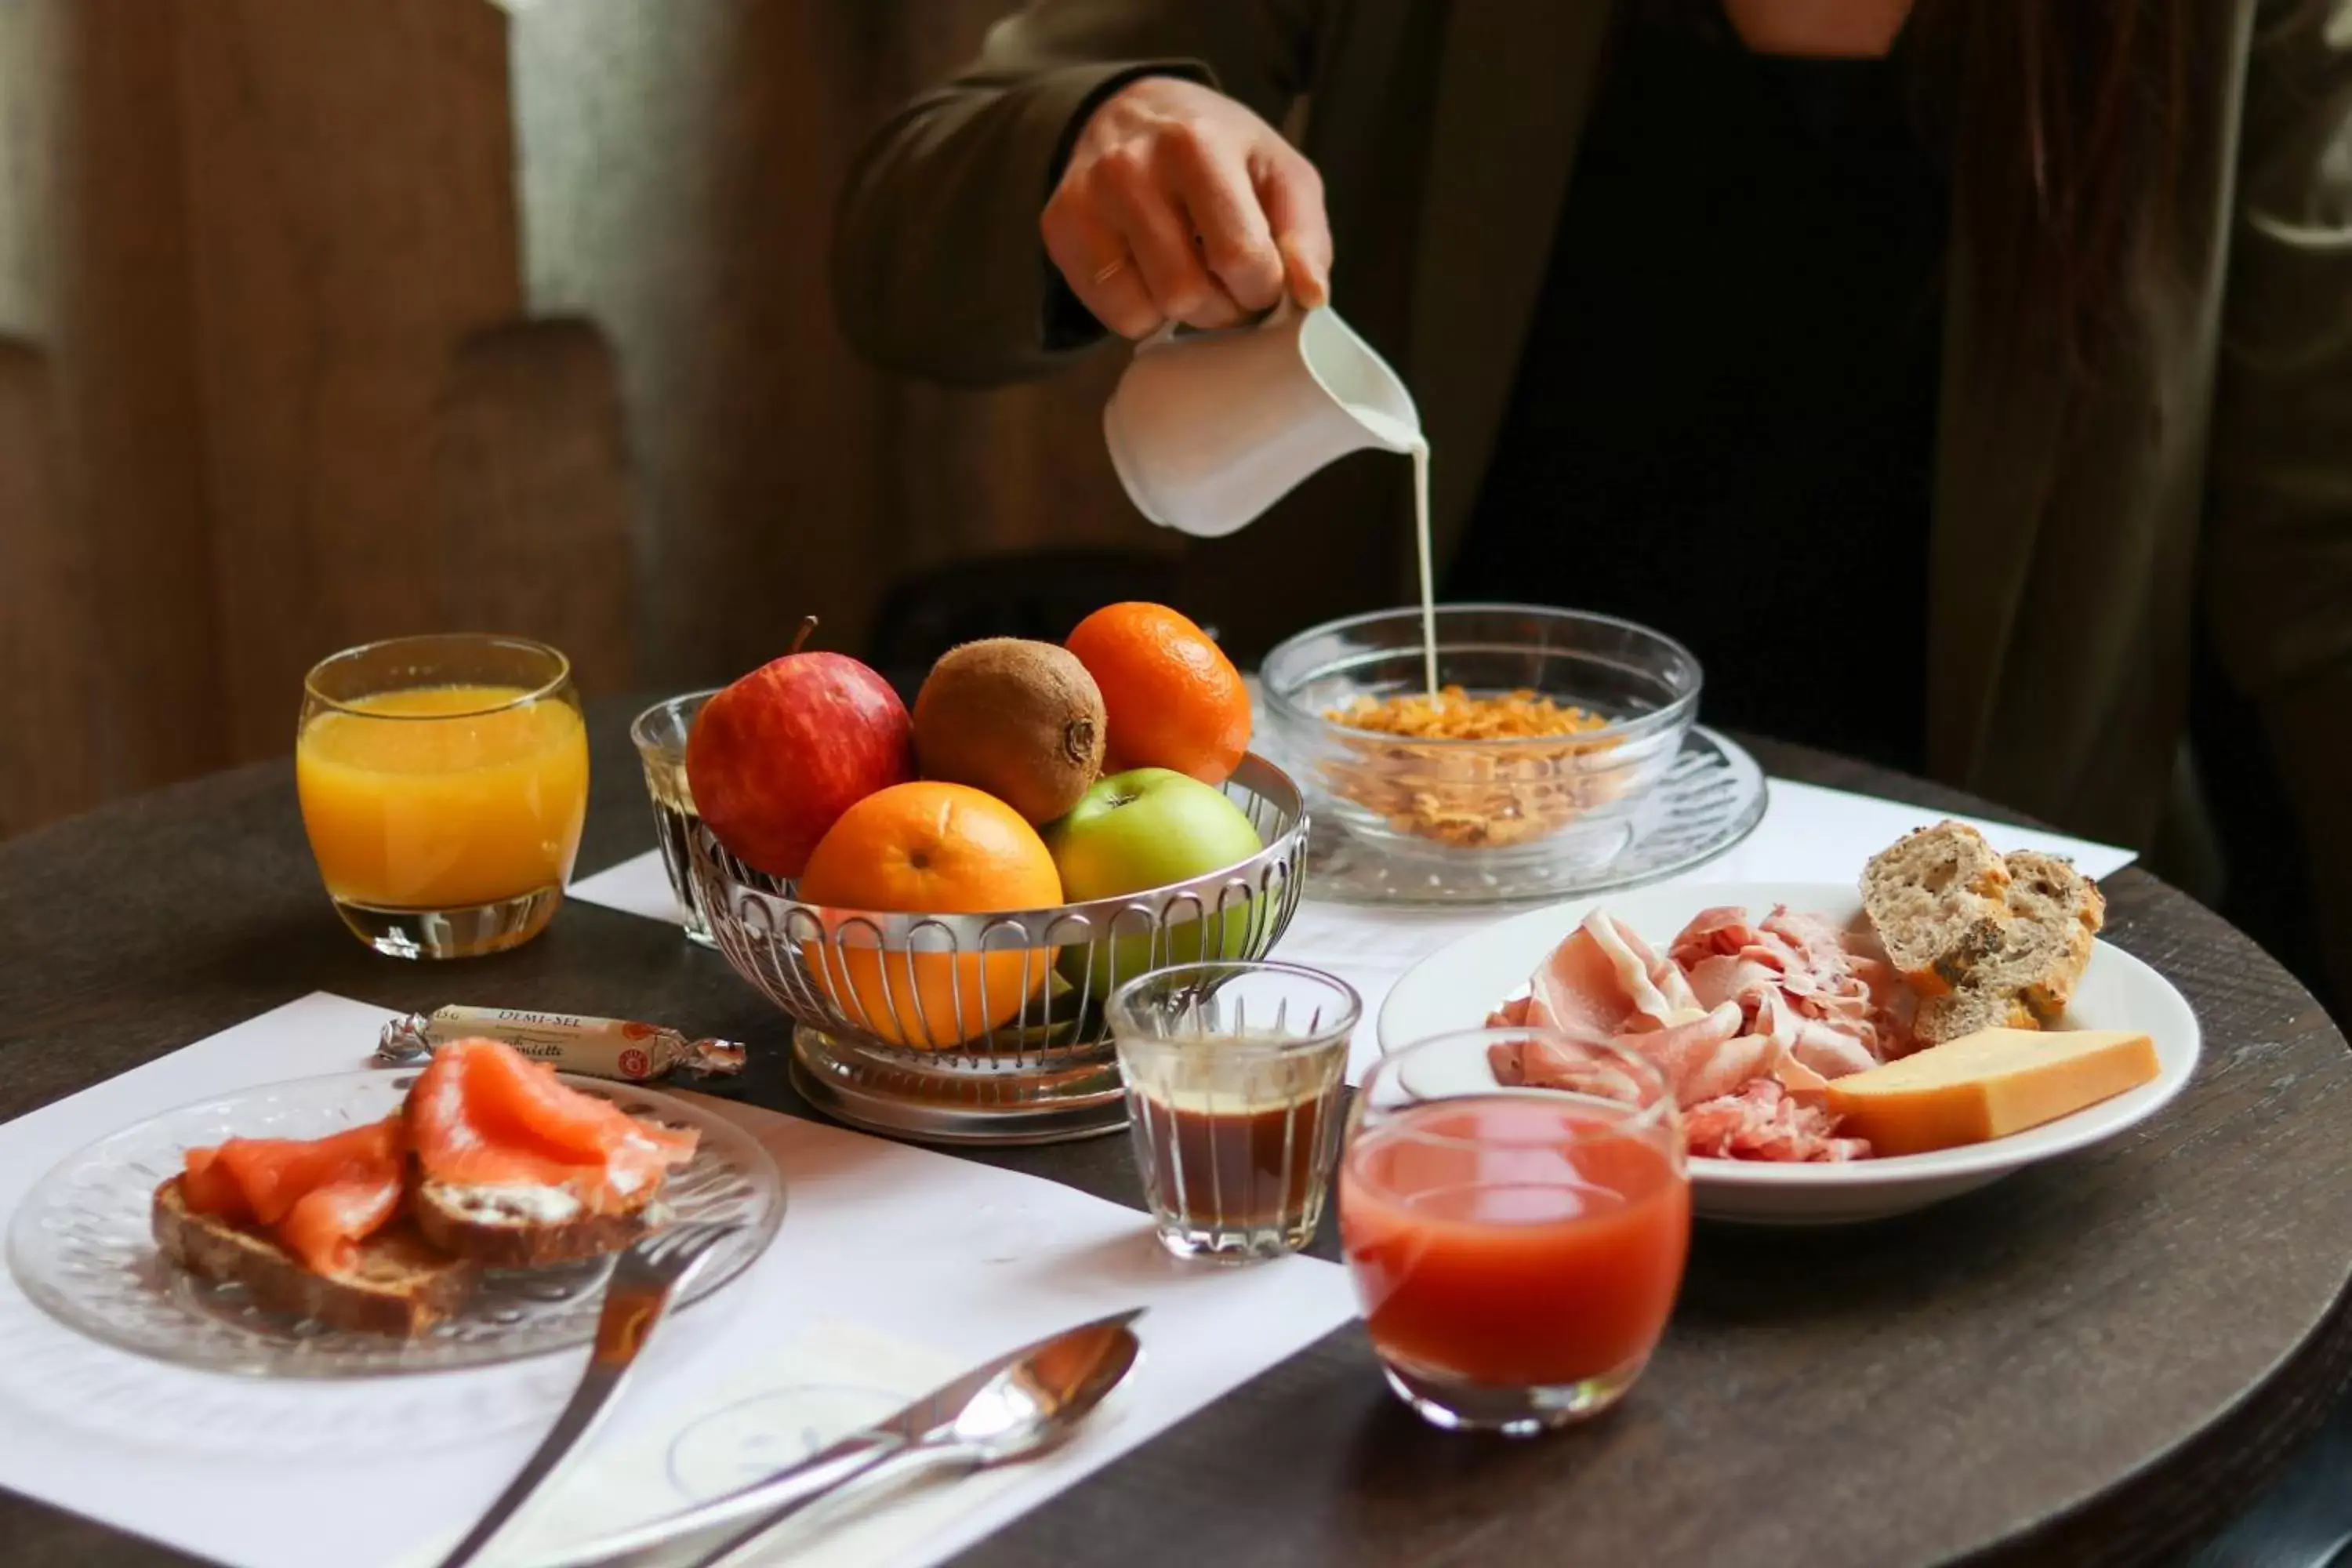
{"type": "Point", "coordinates": [1515, 810]}
{"type": "Point", "coordinates": [1712, 798]}
{"type": "Point", "coordinates": [81, 1247]}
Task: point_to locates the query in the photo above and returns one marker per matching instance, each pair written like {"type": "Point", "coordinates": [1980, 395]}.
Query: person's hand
{"type": "Point", "coordinates": [1180, 204]}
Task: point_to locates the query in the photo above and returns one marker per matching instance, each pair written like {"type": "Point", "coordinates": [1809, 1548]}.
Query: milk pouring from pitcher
{"type": "Point", "coordinates": [1209, 429]}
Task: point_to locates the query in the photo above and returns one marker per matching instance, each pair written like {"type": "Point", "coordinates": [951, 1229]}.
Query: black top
{"type": "Point", "coordinates": [1724, 420]}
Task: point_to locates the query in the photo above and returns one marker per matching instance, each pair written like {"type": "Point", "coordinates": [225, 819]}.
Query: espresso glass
{"type": "Point", "coordinates": [1234, 1077]}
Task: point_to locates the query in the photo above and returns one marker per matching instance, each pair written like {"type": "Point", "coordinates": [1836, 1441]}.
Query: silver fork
{"type": "Point", "coordinates": [643, 1279]}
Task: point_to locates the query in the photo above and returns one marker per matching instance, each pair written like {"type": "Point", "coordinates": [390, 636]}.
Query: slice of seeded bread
{"type": "Point", "coordinates": [2013, 965]}
{"type": "Point", "coordinates": [2046, 892]}
{"type": "Point", "coordinates": [1968, 1009]}
{"type": "Point", "coordinates": [1938, 899]}
{"type": "Point", "coordinates": [528, 1227]}
{"type": "Point", "coordinates": [400, 1285]}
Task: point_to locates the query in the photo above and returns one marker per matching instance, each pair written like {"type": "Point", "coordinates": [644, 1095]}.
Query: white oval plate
{"type": "Point", "coordinates": [1457, 986]}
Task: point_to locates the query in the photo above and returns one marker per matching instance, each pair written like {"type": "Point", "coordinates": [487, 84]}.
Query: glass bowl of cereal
{"type": "Point", "coordinates": [1546, 730]}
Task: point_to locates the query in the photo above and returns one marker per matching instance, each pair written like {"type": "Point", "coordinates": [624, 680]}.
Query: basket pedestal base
{"type": "Point", "coordinates": [1060, 1104]}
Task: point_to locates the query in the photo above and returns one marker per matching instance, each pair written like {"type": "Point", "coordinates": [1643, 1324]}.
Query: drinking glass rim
{"type": "Point", "coordinates": [1322, 1038]}
{"type": "Point", "coordinates": [540, 693]}
{"type": "Point", "coordinates": [1634, 1120]}
{"type": "Point", "coordinates": [637, 725]}
{"type": "Point", "coordinates": [1637, 726]}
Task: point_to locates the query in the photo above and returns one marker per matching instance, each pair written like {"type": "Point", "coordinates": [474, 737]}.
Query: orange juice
{"type": "Point", "coordinates": [436, 798]}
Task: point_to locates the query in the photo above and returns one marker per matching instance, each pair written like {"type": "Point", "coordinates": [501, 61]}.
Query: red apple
{"type": "Point", "coordinates": [776, 758]}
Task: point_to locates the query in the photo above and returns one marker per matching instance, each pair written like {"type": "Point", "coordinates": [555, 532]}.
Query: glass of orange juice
{"type": "Point", "coordinates": [444, 779]}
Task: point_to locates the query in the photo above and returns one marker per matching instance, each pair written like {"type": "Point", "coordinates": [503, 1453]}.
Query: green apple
{"type": "Point", "coordinates": [1144, 829]}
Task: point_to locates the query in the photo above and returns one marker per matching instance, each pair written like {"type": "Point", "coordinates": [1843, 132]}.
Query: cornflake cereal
{"type": "Point", "coordinates": [1454, 715]}
{"type": "Point", "coordinates": [1459, 795]}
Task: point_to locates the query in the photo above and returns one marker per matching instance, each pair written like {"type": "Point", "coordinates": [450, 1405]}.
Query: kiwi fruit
{"type": "Point", "coordinates": [1021, 720]}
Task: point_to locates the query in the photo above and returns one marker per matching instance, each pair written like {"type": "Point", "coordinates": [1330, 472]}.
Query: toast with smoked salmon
{"type": "Point", "coordinates": [393, 1281]}
{"type": "Point", "coordinates": [520, 1170]}
{"type": "Point", "coordinates": [491, 1162]}
{"type": "Point", "coordinates": [512, 1226]}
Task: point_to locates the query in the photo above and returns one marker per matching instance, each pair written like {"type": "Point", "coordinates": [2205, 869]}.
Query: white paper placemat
{"type": "Point", "coordinates": [1809, 835]}
{"type": "Point", "coordinates": [935, 1262]}
{"type": "Point", "coordinates": [638, 886]}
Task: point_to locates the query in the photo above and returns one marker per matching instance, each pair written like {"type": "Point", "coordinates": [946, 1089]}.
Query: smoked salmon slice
{"type": "Point", "coordinates": [327, 1224]}
{"type": "Point", "coordinates": [320, 1196]}
{"type": "Point", "coordinates": [483, 1115]}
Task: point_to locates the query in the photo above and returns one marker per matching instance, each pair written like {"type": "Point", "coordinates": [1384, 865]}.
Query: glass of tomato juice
{"type": "Point", "coordinates": [1516, 1250]}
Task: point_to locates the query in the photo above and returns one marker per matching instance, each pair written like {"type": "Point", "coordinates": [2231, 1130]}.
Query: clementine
{"type": "Point", "coordinates": [936, 849]}
{"type": "Point", "coordinates": [1172, 697]}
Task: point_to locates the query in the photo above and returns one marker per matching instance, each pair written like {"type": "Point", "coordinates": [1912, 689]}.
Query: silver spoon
{"type": "Point", "coordinates": [1013, 1408]}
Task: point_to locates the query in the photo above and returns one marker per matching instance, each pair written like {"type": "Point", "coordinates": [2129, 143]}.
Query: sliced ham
{"type": "Point", "coordinates": [1721, 977]}
{"type": "Point", "coordinates": [1707, 1056]}
{"type": "Point", "coordinates": [1837, 979]}
{"type": "Point", "coordinates": [1539, 1063]}
{"type": "Point", "coordinates": [1659, 991]}
{"type": "Point", "coordinates": [1827, 1049]}
{"type": "Point", "coordinates": [1808, 934]}
{"type": "Point", "coordinates": [1513, 1013]}
{"type": "Point", "coordinates": [1748, 1021]}
{"type": "Point", "coordinates": [1699, 1060]}
{"type": "Point", "coordinates": [1577, 989]}
{"type": "Point", "coordinates": [1763, 1121]}
{"type": "Point", "coordinates": [1722, 930]}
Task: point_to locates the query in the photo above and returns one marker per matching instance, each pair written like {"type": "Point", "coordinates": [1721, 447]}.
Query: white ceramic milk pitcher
{"type": "Point", "coordinates": [1209, 429]}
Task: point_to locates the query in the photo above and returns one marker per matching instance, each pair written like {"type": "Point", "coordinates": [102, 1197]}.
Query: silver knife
{"type": "Point", "coordinates": [856, 1457]}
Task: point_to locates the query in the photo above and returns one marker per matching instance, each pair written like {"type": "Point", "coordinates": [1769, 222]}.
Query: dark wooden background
{"type": "Point", "coordinates": [323, 322]}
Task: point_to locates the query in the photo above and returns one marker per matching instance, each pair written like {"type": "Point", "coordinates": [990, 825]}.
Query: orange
{"type": "Point", "coordinates": [934, 849]}
{"type": "Point", "coordinates": [1174, 699]}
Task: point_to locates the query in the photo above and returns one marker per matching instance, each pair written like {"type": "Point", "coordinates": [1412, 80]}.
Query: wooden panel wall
{"type": "Point", "coordinates": [46, 624]}
{"type": "Point", "coordinates": [124, 666]}
{"type": "Point", "coordinates": [350, 203]}
{"type": "Point", "coordinates": [325, 322]}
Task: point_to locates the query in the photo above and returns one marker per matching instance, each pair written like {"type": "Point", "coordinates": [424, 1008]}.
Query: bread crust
{"type": "Point", "coordinates": [1993, 941]}
{"type": "Point", "coordinates": [519, 1241]}
{"type": "Point", "coordinates": [2049, 887]}
{"type": "Point", "coordinates": [403, 1286]}
{"type": "Point", "coordinates": [1937, 898]}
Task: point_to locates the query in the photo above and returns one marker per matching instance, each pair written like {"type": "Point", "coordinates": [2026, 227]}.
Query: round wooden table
{"type": "Point", "coordinates": [2097, 1360]}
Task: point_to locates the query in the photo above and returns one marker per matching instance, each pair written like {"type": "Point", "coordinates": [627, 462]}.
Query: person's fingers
{"type": "Point", "coordinates": [1093, 259]}
{"type": "Point", "coordinates": [1291, 191]}
{"type": "Point", "coordinates": [1213, 185]}
{"type": "Point", "coordinates": [1135, 202]}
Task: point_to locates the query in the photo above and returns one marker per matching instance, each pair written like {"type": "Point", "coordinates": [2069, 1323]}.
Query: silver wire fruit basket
{"type": "Point", "coordinates": [989, 1028]}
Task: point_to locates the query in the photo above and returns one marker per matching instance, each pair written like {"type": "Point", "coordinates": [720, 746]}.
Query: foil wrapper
{"type": "Point", "coordinates": [600, 1047]}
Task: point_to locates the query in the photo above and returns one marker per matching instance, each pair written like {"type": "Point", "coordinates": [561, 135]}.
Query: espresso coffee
{"type": "Point", "coordinates": [1218, 1166]}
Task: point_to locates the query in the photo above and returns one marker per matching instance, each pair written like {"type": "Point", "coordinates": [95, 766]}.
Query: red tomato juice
{"type": "Point", "coordinates": [1512, 1241]}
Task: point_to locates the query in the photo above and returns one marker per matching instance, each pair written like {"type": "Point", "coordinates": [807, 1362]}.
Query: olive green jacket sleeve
{"type": "Point", "coordinates": [2278, 544]}
{"type": "Point", "coordinates": [939, 270]}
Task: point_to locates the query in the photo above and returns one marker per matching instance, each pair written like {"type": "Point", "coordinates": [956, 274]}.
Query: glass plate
{"type": "Point", "coordinates": [1711, 798]}
{"type": "Point", "coordinates": [81, 1248]}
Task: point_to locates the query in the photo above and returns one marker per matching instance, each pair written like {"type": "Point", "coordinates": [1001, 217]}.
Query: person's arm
{"type": "Point", "coordinates": [939, 268]}
{"type": "Point", "coordinates": [2279, 536]}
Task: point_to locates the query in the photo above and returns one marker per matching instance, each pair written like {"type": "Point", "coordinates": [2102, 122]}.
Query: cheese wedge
{"type": "Point", "coordinates": [1988, 1085]}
